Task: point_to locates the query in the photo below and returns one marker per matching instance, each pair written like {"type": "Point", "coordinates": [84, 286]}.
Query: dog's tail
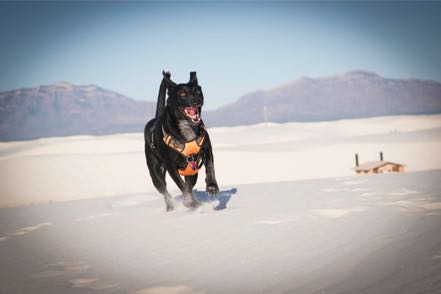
{"type": "Point", "coordinates": [166, 85]}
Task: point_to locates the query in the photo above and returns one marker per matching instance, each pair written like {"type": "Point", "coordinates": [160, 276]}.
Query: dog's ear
{"type": "Point", "coordinates": [193, 78]}
{"type": "Point", "coordinates": [168, 82]}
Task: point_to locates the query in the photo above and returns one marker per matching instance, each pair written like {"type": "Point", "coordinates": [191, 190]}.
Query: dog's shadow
{"type": "Point", "coordinates": [223, 197]}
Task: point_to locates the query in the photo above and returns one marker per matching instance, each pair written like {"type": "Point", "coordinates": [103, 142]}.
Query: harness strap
{"type": "Point", "coordinates": [188, 171]}
{"type": "Point", "coordinates": [152, 133]}
{"type": "Point", "coordinates": [188, 150]}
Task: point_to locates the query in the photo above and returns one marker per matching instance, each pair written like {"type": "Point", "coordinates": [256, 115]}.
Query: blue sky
{"type": "Point", "coordinates": [236, 47]}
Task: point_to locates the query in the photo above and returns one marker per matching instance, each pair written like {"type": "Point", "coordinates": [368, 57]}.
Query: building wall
{"type": "Point", "coordinates": [387, 168]}
{"type": "Point", "coordinates": [390, 168]}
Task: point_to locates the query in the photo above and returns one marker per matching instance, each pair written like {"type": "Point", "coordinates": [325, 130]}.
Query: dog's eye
{"type": "Point", "coordinates": [182, 94]}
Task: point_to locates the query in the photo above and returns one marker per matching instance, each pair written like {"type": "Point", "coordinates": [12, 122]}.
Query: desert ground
{"type": "Point", "coordinates": [376, 234]}
{"type": "Point", "coordinates": [79, 214]}
{"type": "Point", "coordinates": [82, 167]}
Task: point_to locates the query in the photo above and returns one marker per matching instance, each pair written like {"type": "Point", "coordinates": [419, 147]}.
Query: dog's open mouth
{"type": "Point", "coordinates": [193, 113]}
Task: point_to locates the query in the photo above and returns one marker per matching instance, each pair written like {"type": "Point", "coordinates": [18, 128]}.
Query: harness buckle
{"type": "Point", "coordinates": [192, 160]}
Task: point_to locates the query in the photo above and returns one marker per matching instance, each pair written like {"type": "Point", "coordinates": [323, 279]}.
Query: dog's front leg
{"type": "Point", "coordinates": [210, 178]}
{"type": "Point", "coordinates": [188, 200]}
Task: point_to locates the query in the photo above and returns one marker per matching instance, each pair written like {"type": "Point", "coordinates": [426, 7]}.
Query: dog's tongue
{"type": "Point", "coordinates": [191, 111]}
{"type": "Point", "coordinates": [194, 165]}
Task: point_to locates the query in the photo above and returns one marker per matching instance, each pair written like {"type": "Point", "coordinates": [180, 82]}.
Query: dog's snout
{"type": "Point", "coordinates": [196, 102]}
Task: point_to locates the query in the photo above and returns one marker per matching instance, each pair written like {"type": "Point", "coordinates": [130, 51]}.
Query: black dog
{"type": "Point", "coordinates": [176, 141]}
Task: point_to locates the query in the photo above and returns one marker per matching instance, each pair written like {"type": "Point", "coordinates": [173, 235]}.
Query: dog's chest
{"type": "Point", "coordinates": [187, 131]}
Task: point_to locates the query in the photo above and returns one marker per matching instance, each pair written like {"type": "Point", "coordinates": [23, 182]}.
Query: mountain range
{"type": "Point", "coordinates": [65, 109]}
{"type": "Point", "coordinates": [355, 94]}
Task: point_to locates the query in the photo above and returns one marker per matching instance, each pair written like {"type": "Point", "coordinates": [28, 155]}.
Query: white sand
{"type": "Point", "coordinates": [342, 234]}
{"type": "Point", "coordinates": [335, 235]}
{"type": "Point", "coordinates": [69, 168]}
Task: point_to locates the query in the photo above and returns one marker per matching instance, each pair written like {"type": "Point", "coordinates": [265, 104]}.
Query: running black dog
{"type": "Point", "coordinates": [176, 141]}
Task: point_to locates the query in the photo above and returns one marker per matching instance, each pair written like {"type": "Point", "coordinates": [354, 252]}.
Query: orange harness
{"type": "Point", "coordinates": [189, 150]}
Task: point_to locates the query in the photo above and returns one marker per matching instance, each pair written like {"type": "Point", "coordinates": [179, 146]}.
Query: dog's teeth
{"type": "Point", "coordinates": [192, 112]}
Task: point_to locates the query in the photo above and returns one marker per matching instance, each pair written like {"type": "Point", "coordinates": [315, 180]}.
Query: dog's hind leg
{"type": "Point", "coordinates": [157, 172]}
{"type": "Point", "coordinates": [191, 181]}
{"type": "Point", "coordinates": [185, 188]}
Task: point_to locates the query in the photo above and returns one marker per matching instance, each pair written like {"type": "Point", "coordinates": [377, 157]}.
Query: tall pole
{"type": "Point", "coordinates": [265, 114]}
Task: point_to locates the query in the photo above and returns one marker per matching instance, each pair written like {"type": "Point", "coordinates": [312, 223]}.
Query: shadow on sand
{"type": "Point", "coordinates": [223, 197]}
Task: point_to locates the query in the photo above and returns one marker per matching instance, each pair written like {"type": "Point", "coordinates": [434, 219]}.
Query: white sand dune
{"type": "Point", "coordinates": [267, 231]}
{"type": "Point", "coordinates": [69, 168]}
{"type": "Point", "coordinates": [335, 235]}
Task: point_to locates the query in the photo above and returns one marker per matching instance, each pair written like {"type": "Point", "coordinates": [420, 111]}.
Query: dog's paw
{"type": "Point", "coordinates": [212, 189]}
{"type": "Point", "coordinates": [191, 203]}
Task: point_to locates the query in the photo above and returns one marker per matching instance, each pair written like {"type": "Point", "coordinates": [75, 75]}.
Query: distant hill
{"type": "Point", "coordinates": [64, 109]}
{"type": "Point", "coordinates": [355, 94]}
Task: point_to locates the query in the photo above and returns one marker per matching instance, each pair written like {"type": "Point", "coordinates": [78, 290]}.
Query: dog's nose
{"type": "Point", "coordinates": [196, 101]}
